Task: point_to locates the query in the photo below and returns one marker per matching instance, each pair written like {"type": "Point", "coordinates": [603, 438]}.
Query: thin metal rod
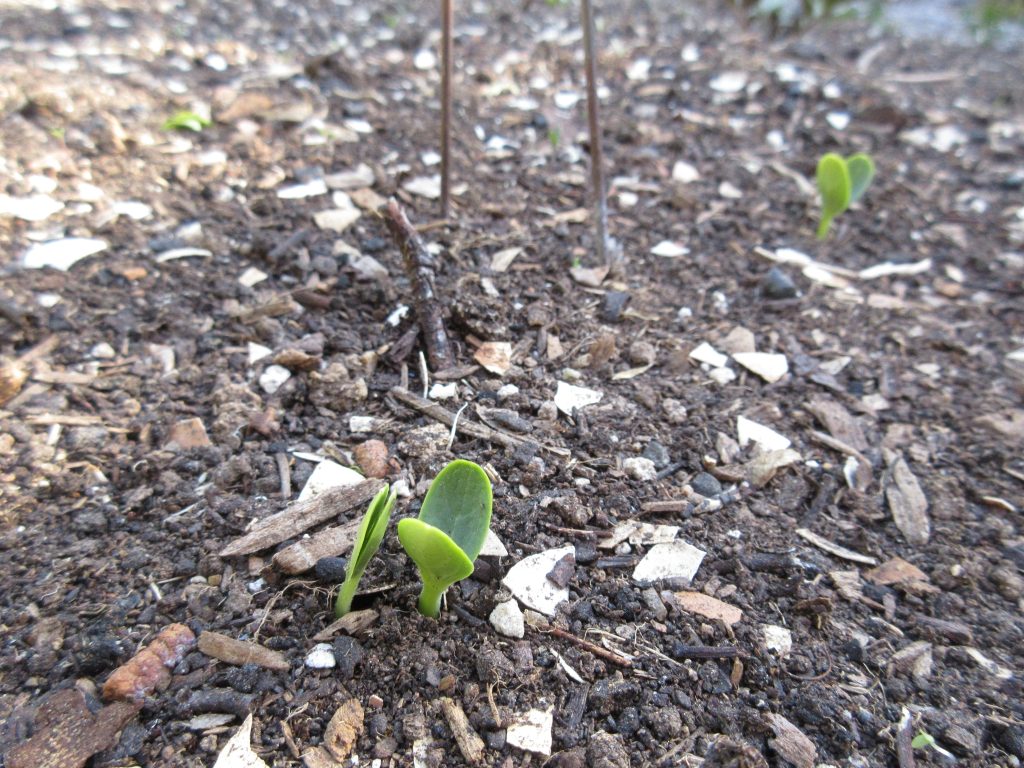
{"type": "Point", "coordinates": [607, 255]}
{"type": "Point", "coordinates": [447, 19]}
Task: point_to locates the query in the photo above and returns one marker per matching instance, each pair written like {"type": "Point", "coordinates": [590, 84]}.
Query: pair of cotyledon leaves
{"type": "Point", "coordinates": [841, 182]}
{"type": "Point", "coordinates": [443, 541]}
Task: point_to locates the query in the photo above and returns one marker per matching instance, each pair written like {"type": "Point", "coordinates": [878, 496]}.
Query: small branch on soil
{"type": "Point", "coordinates": [706, 652]}
{"type": "Point", "coordinates": [447, 69]}
{"type": "Point", "coordinates": [443, 415]}
{"type": "Point", "coordinates": [597, 650]}
{"type": "Point", "coordinates": [904, 750]}
{"type": "Point", "coordinates": [419, 265]}
{"type": "Point", "coordinates": [302, 515]}
{"type": "Point", "coordinates": [293, 240]}
{"type": "Point", "coordinates": [610, 255]}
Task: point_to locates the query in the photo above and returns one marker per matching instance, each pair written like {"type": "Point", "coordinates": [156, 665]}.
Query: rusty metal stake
{"type": "Point", "coordinates": [447, 19]}
{"type": "Point", "coordinates": [609, 254]}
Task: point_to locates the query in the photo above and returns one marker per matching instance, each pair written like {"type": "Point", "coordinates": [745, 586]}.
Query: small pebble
{"type": "Point", "coordinates": [612, 306]}
{"type": "Point", "coordinates": [657, 453]}
{"type": "Point", "coordinates": [706, 485]}
{"type": "Point", "coordinates": [507, 619]}
{"type": "Point", "coordinates": [330, 569]}
{"type": "Point", "coordinates": [777, 285]}
{"type": "Point", "coordinates": [321, 657]}
{"type": "Point", "coordinates": [639, 468]}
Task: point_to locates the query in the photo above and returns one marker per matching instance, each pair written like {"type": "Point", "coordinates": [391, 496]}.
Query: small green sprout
{"type": "Point", "coordinates": [923, 740]}
{"type": "Point", "coordinates": [186, 120]}
{"type": "Point", "coordinates": [841, 182]}
{"type": "Point", "coordinates": [368, 538]}
{"type": "Point", "coordinates": [448, 534]}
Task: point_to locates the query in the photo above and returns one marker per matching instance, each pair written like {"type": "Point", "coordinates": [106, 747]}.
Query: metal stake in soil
{"type": "Point", "coordinates": [609, 255]}
{"type": "Point", "coordinates": [447, 17]}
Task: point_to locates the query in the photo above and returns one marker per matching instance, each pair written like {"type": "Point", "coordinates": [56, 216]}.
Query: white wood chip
{"type": "Point", "coordinates": [32, 208]}
{"type": "Point", "coordinates": [273, 378]}
{"type": "Point", "coordinates": [569, 397]}
{"type": "Point", "coordinates": [532, 731]}
{"type": "Point", "coordinates": [492, 546]}
{"type": "Point", "coordinates": [251, 277]}
{"type": "Point", "coordinates": [684, 173]}
{"type": "Point", "coordinates": [502, 260]}
{"type": "Point", "coordinates": [237, 752]}
{"type": "Point", "coordinates": [257, 352]}
{"type": "Point", "coordinates": [770, 367]}
{"type": "Point", "coordinates": [705, 353]}
{"type": "Point", "coordinates": [61, 254]}
{"type": "Point", "coordinates": [183, 253]}
{"type": "Point", "coordinates": [336, 219]}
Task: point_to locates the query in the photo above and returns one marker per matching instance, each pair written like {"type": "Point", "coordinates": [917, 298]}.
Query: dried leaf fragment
{"type": "Point", "coordinates": [495, 356]}
{"type": "Point", "coordinates": [237, 752]}
{"type": "Point", "coordinates": [344, 729]}
{"type": "Point", "coordinates": [791, 743]}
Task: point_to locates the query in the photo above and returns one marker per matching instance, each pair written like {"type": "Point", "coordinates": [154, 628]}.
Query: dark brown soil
{"type": "Point", "coordinates": [109, 534]}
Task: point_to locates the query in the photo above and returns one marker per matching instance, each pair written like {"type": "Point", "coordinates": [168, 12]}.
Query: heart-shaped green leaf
{"type": "Point", "coordinates": [861, 169]}
{"type": "Point", "coordinates": [834, 187]}
{"type": "Point", "coordinates": [459, 504]}
{"type": "Point", "coordinates": [440, 560]}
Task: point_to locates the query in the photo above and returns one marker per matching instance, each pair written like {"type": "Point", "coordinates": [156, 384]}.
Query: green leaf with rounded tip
{"type": "Point", "coordinates": [368, 538]}
{"type": "Point", "coordinates": [441, 561]}
{"type": "Point", "coordinates": [922, 740]}
{"type": "Point", "coordinates": [861, 169]}
{"type": "Point", "coordinates": [834, 186]}
{"type": "Point", "coordinates": [459, 504]}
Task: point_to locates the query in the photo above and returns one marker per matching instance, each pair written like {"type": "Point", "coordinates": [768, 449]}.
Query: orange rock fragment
{"type": "Point", "coordinates": [372, 458]}
{"type": "Point", "coordinates": [149, 669]}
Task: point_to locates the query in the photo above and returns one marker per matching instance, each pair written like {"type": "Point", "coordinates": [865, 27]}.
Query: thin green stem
{"type": "Point", "coordinates": [823, 228]}
{"type": "Point", "coordinates": [430, 601]}
{"type": "Point", "coordinates": [343, 604]}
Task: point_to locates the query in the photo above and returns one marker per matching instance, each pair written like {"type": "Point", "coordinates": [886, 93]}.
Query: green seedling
{"type": "Point", "coordinates": [448, 534]}
{"type": "Point", "coordinates": [186, 120]}
{"type": "Point", "coordinates": [924, 740]}
{"type": "Point", "coordinates": [841, 182]}
{"type": "Point", "coordinates": [368, 538]}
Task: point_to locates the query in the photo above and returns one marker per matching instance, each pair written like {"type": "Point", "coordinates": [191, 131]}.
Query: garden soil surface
{"type": "Point", "coordinates": [234, 312]}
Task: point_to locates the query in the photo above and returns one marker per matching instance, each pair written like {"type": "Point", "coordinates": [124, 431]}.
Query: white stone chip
{"type": "Point", "coordinates": [684, 173]}
{"type": "Point", "coordinates": [102, 351]}
{"type": "Point", "coordinates": [532, 732]}
{"type": "Point", "coordinates": [640, 468]}
{"type": "Point", "coordinates": [132, 209]}
{"type": "Point", "coordinates": [769, 439]}
{"type": "Point", "coordinates": [778, 639]}
{"type": "Point", "coordinates": [669, 249]}
{"type": "Point", "coordinates": [299, 191]}
{"type": "Point", "coordinates": [769, 366]}
{"type": "Point", "coordinates": [507, 619]}
{"type": "Point", "coordinates": [705, 353]}
{"type": "Point", "coordinates": [729, 82]}
{"type": "Point", "coordinates": [357, 178]}
{"type": "Point", "coordinates": [336, 219]}
{"type": "Point", "coordinates": [528, 580]}
{"type": "Point", "coordinates": [569, 396]}
{"type": "Point", "coordinates": [492, 546]}
{"type": "Point", "coordinates": [32, 208]}
{"type": "Point", "coordinates": [359, 425]}
{"type": "Point", "coordinates": [424, 60]}
{"type": "Point", "coordinates": [273, 377]}
{"type": "Point", "coordinates": [722, 376]}
{"type": "Point", "coordinates": [257, 352]}
{"type": "Point", "coordinates": [677, 560]}
{"type": "Point", "coordinates": [251, 277]}
{"type": "Point", "coordinates": [61, 254]}
{"type": "Point", "coordinates": [329, 474]}
{"type": "Point", "coordinates": [424, 186]}
{"type": "Point", "coordinates": [320, 657]}
{"type": "Point", "coordinates": [444, 390]}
